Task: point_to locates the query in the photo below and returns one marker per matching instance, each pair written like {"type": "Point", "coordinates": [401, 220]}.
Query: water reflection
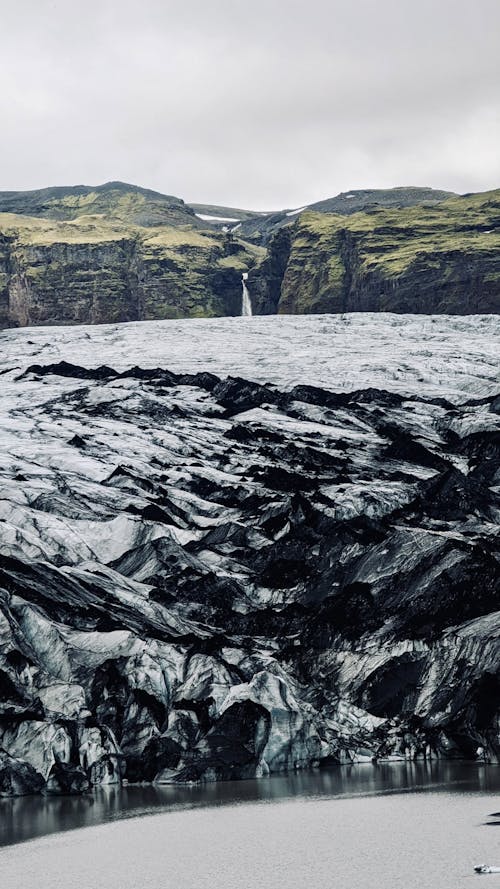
{"type": "Point", "coordinates": [27, 817]}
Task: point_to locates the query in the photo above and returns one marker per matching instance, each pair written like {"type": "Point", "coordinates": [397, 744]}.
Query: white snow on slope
{"type": "Point", "coordinates": [205, 218]}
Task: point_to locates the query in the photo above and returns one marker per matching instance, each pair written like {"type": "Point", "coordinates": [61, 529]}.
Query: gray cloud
{"type": "Point", "coordinates": [258, 104]}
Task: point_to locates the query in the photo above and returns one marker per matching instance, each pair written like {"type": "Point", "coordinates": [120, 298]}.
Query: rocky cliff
{"type": "Point", "coordinates": [95, 269]}
{"type": "Point", "coordinates": [443, 258]}
{"type": "Point", "coordinates": [207, 577]}
{"type": "Point", "coordinates": [122, 253]}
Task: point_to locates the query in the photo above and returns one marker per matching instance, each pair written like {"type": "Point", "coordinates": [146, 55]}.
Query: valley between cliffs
{"type": "Point", "coordinates": [243, 546]}
{"type": "Point", "coordinates": [121, 253]}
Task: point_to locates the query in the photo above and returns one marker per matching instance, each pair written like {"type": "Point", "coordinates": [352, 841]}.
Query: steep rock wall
{"type": "Point", "coordinates": [73, 283]}
{"type": "Point", "coordinates": [442, 259]}
{"type": "Point", "coordinates": [4, 280]}
{"type": "Point", "coordinates": [265, 281]}
{"type": "Point", "coordinates": [340, 280]}
{"type": "Point", "coordinates": [55, 275]}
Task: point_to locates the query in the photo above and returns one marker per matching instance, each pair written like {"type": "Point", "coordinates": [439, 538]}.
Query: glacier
{"type": "Point", "coordinates": [240, 546]}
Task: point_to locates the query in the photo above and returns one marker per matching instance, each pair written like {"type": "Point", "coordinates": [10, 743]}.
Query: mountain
{"type": "Point", "coordinates": [439, 258]}
{"type": "Point", "coordinates": [215, 214]}
{"type": "Point", "coordinates": [113, 200]}
{"type": "Point", "coordinates": [118, 252]}
{"type": "Point", "coordinates": [113, 253]}
{"type": "Point", "coordinates": [349, 202]}
{"type": "Point", "coordinates": [260, 227]}
{"type": "Point", "coordinates": [206, 576]}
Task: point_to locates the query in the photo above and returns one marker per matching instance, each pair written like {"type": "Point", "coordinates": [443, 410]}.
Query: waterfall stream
{"type": "Point", "coordinates": [246, 303]}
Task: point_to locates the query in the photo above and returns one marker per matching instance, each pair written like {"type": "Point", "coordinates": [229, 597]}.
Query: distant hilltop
{"type": "Point", "coordinates": [119, 252]}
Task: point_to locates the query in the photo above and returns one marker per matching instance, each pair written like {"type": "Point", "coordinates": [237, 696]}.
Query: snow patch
{"type": "Point", "coordinates": [296, 212]}
{"type": "Point", "coordinates": [205, 217]}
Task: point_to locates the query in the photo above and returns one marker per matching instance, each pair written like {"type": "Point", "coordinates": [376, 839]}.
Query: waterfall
{"type": "Point", "coordinates": [246, 303]}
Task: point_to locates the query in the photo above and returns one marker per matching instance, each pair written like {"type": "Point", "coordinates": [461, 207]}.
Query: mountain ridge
{"type": "Point", "coordinates": [145, 206]}
{"type": "Point", "coordinates": [400, 195]}
{"type": "Point", "coordinates": [117, 252]}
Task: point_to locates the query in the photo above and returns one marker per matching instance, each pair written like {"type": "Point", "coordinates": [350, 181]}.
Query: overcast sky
{"type": "Point", "coordinates": [261, 103]}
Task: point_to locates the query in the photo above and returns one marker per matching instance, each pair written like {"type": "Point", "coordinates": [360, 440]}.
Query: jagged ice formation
{"type": "Point", "coordinates": [207, 576]}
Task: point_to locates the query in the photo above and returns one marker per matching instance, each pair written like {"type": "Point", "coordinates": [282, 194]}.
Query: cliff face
{"type": "Point", "coordinates": [5, 245]}
{"type": "Point", "coordinates": [206, 578]}
{"type": "Point", "coordinates": [121, 253]}
{"type": "Point", "coordinates": [443, 259]}
{"type": "Point", "coordinates": [72, 283]}
{"type": "Point", "coordinates": [95, 270]}
{"type": "Point", "coordinates": [266, 280]}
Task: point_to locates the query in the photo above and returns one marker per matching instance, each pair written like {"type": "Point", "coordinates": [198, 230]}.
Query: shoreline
{"type": "Point", "coordinates": [109, 804]}
{"type": "Point", "coordinates": [245, 846]}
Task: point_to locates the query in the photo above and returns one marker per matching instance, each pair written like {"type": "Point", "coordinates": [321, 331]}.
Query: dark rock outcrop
{"type": "Point", "coordinates": [65, 778]}
{"type": "Point", "coordinates": [266, 280]}
{"type": "Point", "coordinates": [18, 778]}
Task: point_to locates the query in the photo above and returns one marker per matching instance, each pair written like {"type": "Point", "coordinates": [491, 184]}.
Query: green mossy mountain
{"type": "Point", "coordinates": [441, 258]}
{"type": "Point", "coordinates": [260, 227]}
{"type": "Point", "coordinates": [118, 200]}
{"type": "Point", "coordinates": [117, 252]}
{"type": "Point", "coordinates": [365, 199]}
{"type": "Point", "coordinates": [114, 253]}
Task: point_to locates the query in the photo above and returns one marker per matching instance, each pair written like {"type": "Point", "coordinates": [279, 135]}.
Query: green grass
{"type": "Point", "coordinates": [32, 230]}
{"type": "Point", "coordinates": [170, 237]}
{"type": "Point", "coordinates": [390, 240]}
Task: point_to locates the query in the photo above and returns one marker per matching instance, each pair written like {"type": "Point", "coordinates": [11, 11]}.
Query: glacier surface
{"type": "Point", "coordinates": [240, 546]}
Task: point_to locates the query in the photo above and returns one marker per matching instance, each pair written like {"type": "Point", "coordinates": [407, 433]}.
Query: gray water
{"type": "Point", "coordinates": [394, 826]}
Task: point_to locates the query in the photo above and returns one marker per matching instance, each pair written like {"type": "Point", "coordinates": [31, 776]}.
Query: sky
{"type": "Point", "coordinates": [262, 104]}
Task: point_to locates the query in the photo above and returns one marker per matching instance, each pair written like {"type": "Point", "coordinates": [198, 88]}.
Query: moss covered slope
{"type": "Point", "coordinates": [443, 258]}
{"type": "Point", "coordinates": [99, 268]}
{"type": "Point", "coordinates": [116, 200]}
{"type": "Point", "coordinates": [122, 253]}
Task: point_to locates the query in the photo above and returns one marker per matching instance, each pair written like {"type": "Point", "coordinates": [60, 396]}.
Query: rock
{"type": "Point", "coordinates": [232, 748]}
{"type": "Point", "coordinates": [99, 755]}
{"type": "Point", "coordinates": [382, 260]}
{"type": "Point", "coordinates": [65, 778]}
{"type": "Point", "coordinates": [18, 778]}
{"type": "Point", "coordinates": [41, 744]}
{"type": "Point", "coordinates": [289, 739]}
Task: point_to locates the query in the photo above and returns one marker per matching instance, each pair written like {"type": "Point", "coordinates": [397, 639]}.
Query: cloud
{"type": "Point", "coordinates": [262, 104]}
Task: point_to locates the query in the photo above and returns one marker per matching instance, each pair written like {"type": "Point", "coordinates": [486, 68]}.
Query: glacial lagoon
{"type": "Point", "coordinates": [393, 826]}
